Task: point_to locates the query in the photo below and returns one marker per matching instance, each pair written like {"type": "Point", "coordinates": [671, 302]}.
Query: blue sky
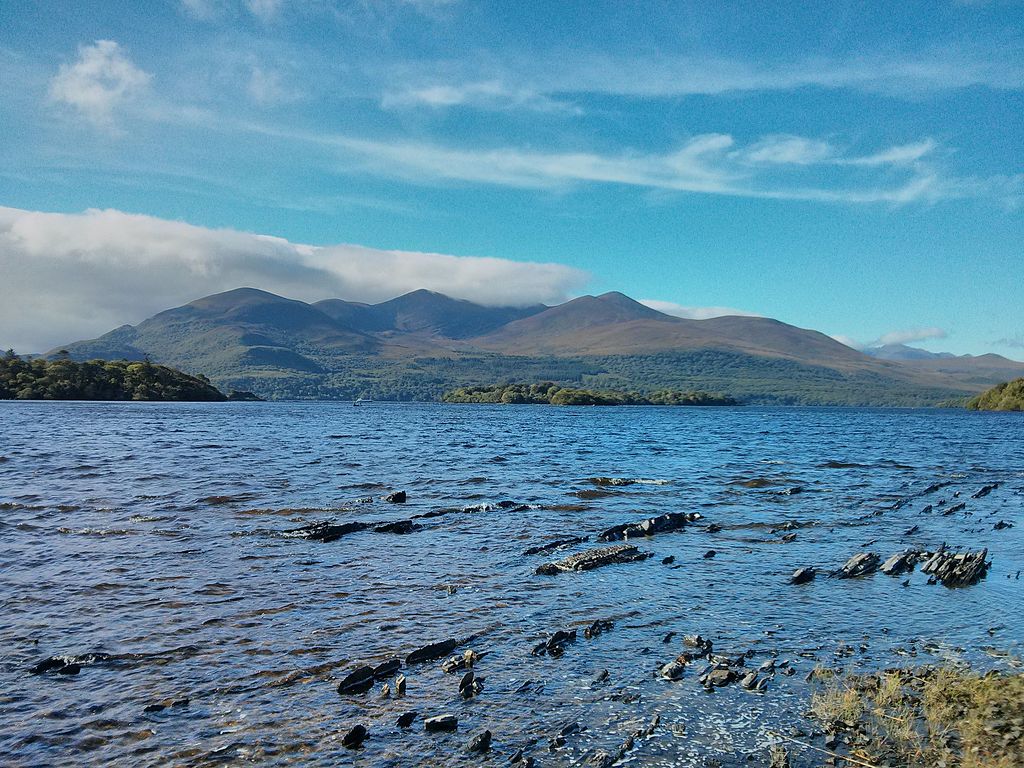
{"type": "Point", "coordinates": [851, 167]}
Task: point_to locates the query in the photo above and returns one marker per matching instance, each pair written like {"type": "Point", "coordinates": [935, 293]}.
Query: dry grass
{"type": "Point", "coordinates": [922, 718]}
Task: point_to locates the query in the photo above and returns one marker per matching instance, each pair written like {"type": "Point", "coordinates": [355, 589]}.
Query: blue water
{"type": "Point", "coordinates": [151, 531]}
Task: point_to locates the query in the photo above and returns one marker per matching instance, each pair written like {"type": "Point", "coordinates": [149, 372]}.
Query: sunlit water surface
{"type": "Point", "coordinates": [151, 531]}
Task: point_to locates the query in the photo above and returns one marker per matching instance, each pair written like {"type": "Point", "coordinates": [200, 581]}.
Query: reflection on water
{"type": "Point", "coordinates": [150, 532]}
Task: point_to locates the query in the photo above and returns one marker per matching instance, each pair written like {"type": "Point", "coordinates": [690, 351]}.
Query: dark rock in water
{"type": "Point", "coordinates": [674, 670]}
{"type": "Point", "coordinates": [406, 719]}
{"type": "Point", "coordinates": [713, 528]}
{"type": "Point", "coordinates": [1002, 525]}
{"type": "Point", "coordinates": [803, 575]}
{"type": "Point", "coordinates": [602, 677]}
{"type": "Point", "coordinates": [668, 637]}
{"type": "Point", "coordinates": [465, 661]}
{"type": "Point", "coordinates": [927, 509]}
{"type": "Point", "coordinates": [470, 685]}
{"type": "Point", "coordinates": [985, 490]}
{"type": "Point", "coordinates": [387, 668]}
{"type": "Point", "coordinates": [911, 531]}
{"type": "Point", "coordinates": [354, 738]}
{"type": "Point", "coordinates": [749, 680]}
{"type": "Point", "coordinates": [671, 521]}
{"type": "Point", "coordinates": [718, 677]}
{"type": "Point", "coordinates": [598, 627]}
{"type": "Point", "coordinates": [861, 564]}
{"type": "Point", "coordinates": [557, 544]}
{"type": "Point", "coordinates": [359, 681]}
{"type": "Point", "coordinates": [325, 531]}
{"type": "Point", "coordinates": [441, 723]}
{"type": "Point", "coordinates": [700, 643]}
{"type": "Point", "coordinates": [951, 509]}
{"type": "Point", "coordinates": [789, 537]}
{"type": "Point", "coordinates": [600, 759]}
{"type": "Point", "coordinates": [400, 686]}
{"type": "Point", "coordinates": [595, 558]}
{"type": "Point", "coordinates": [432, 652]}
{"type": "Point", "coordinates": [398, 497]}
{"type": "Point", "coordinates": [481, 742]}
{"type": "Point", "coordinates": [555, 645]}
{"type": "Point", "coordinates": [957, 569]}
{"type": "Point", "coordinates": [70, 664]}
{"type": "Point", "coordinates": [900, 563]}
{"type": "Point", "coordinates": [668, 560]}
{"type": "Point", "coordinates": [709, 554]}
{"type": "Point", "coordinates": [399, 527]}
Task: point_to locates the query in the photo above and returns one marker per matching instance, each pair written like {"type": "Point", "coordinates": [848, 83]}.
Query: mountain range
{"type": "Point", "coordinates": [418, 345]}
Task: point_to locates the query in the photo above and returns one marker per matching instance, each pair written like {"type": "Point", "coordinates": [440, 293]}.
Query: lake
{"type": "Point", "coordinates": [152, 532]}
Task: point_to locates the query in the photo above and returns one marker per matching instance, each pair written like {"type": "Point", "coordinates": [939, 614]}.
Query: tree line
{"type": "Point", "coordinates": [64, 379]}
{"type": "Point", "coordinates": [549, 393]}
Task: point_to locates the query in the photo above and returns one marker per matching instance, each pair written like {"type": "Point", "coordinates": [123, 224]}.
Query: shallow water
{"type": "Point", "coordinates": [151, 531]}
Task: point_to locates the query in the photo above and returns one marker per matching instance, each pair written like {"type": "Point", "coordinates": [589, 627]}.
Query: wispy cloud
{"type": "Point", "coordinates": [701, 164]}
{"type": "Point", "coordinates": [98, 82]}
{"type": "Point", "coordinates": [1016, 342]}
{"type": "Point", "coordinates": [695, 313]}
{"type": "Point", "coordinates": [485, 94]}
{"type": "Point", "coordinates": [59, 268]}
{"type": "Point", "coordinates": [909, 335]}
{"type": "Point", "coordinates": [905, 336]}
{"type": "Point", "coordinates": [267, 87]}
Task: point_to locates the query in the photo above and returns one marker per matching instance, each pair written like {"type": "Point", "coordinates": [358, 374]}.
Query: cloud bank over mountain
{"type": "Point", "coordinates": [77, 275]}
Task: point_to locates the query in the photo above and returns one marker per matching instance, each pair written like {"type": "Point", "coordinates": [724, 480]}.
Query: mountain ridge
{"type": "Point", "coordinates": [418, 344]}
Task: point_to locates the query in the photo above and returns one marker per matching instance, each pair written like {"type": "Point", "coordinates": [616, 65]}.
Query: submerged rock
{"type": "Point", "coordinates": [672, 521]}
{"type": "Point", "coordinates": [555, 645]}
{"type": "Point", "coordinates": [481, 742]}
{"type": "Point", "coordinates": [325, 531]}
{"type": "Point", "coordinates": [598, 627]}
{"type": "Point", "coordinates": [985, 490]}
{"type": "Point", "coordinates": [354, 738]}
{"type": "Point", "coordinates": [387, 668]}
{"type": "Point", "coordinates": [399, 527]}
{"type": "Point", "coordinates": [69, 664]}
{"type": "Point", "coordinates": [359, 681]}
{"type": "Point", "coordinates": [594, 558]}
{"type": "Point", "coordinates": [557, 544]}
{"type": "Point", "coordinates": [432, 652]}
{"type": "Point", "coordinates": [861, 564]}
{"type": "Point", "coordinates": [803, 575]}
{"type": "Point", "coordinates": [441, 723]}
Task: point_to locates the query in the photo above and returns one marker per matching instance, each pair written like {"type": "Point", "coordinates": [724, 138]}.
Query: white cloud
{"type": "Point", "coordinates": [909, 335]}
{"type": "Point", "coordinates": [267, 87]}
{"type": "Point", "coordinates": [788, 150]}
{"type": "Point", "coordinates": [898, 155]}
{"type": "Point", "coordinates": [264, 9]}
{"type": "Point", "coordinates": [486, 94]}
{"type": "Point", "coordinates": [75, 276]}
{"type": "Point", "coordinates": [695, 313]}
{"type": "Point", "coordinates": [850, 342]}
{"type": "Point", "coordinates": [98, 82]}
{"type": "Point", "coordinates": [906, 336]}
{"type": "Point", "coordinates": [700, 165]}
